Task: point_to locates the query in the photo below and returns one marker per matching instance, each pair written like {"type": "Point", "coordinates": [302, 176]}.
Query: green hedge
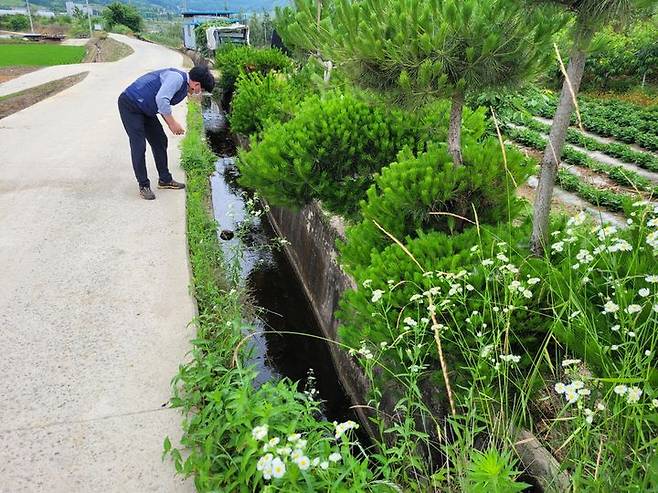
{"type": "Point", "coordinates": [260, 99]}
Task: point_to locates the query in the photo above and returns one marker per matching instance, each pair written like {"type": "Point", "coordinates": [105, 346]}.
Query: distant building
{"type": "Point", "coordinates": [23, 11]}
{"type": "Point", "coordinates": [13, 11]}
{"type": "Point", "coordinates": [71, 6]}
{"type": "Point", "coordinates": [191, 19]}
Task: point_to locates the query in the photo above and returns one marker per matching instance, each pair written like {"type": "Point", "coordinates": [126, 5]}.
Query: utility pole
{"type": "Point", "coordinates": [89, 18]}
{"type": "Point", "coordinates": [29, 14]}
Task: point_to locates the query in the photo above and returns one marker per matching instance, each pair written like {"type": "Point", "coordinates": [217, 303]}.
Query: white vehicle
{"type": "Point", "coordinates": [233, 34]}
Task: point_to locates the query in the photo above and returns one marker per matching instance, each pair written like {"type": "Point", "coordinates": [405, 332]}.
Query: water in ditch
{"type": "Point", "coordinates": [249, 241]}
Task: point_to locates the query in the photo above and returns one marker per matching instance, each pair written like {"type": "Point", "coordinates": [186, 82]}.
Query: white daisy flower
{"type": "Point", "coordinates": [620, 389]}
{"type": "Point", "coordinates": [303, 463]}
{"type": "Point", "coordinates": [634, 394]}
{"type": "Point", "coordinates": [278, 468]}
{"type": "Point", "coordinates": [335, 457]}
{"type": "Point", "coordinates": [259, 432]}
{"type": "Point", "coordinates": [631, 309]}
{"type": "Point", "coordinates": [377, 295]}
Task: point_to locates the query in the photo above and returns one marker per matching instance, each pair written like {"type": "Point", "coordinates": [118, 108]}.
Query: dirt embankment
{"type": "Point", "coordinates": [13, 103]}
{"type": "Point", "coordinates": [105, 49]}
{"type": "Point", "coordinates": [8, 73]}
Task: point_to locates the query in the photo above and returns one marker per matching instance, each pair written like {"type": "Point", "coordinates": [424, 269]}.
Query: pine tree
{"type": "Point", "coordinates": [419, 49]}
{"type": "Point", "coordinates": [590, 16]}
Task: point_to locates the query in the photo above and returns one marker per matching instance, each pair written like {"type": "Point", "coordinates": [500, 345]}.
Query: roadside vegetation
{"type": "Point", "coordinates": [481, 330]}
{"type": "Point", "coordinates": [167, 33]}
{"type": "Point", "coordinates": [102, 48]}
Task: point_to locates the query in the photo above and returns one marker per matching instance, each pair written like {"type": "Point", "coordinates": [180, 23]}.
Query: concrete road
{"type": "Point", "coordinates": [94, 303]}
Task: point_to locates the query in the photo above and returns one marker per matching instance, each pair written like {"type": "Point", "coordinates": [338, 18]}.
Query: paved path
{"type": "Point", "coordinates": [94, 301]}
{"type": "Point", "coordinates": [46, 74]}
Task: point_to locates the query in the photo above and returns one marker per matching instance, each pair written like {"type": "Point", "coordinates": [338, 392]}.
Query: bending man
{"type": "Point", "coordinates": [139, 105]}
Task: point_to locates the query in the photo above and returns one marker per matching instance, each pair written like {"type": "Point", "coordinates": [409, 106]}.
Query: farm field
{"type": "Point", "coordinates": [23, 54]}
{"type": "Point", "coordinates": [610, 157]}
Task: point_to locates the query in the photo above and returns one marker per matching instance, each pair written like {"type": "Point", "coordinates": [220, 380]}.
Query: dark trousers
{"type": "Point", "coordinates": [141, 128]}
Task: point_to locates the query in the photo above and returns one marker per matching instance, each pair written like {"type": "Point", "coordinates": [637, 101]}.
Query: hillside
{"type": "Point", "coordinates": [162, 6]}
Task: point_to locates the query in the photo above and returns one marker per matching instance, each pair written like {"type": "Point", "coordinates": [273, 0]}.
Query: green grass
{"type": "Point", "coordinates": [12, 55]}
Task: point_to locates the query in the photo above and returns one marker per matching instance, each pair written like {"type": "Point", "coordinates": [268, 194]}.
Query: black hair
{"type": "Point", "coordinates": [201, 74]}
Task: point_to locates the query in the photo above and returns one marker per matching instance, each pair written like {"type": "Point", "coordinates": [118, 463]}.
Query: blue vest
{"type": "Point", "coordinates": [142, 92]}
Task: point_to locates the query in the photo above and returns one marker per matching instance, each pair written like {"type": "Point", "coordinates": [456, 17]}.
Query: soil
{"type": "Point", "coordinates": [102, 49]}
{"type": "Point", "coordinates": [13, 103]}
{"type": "Point", "coordinates": [8, 73]}
{"type": "Point", "coordinates": [529, 193]}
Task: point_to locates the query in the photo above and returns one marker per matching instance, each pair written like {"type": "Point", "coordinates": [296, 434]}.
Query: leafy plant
{"type": "Point", "coordinates": [329, 151]}
{"type": "Point", "coordinates": [235, 60]}
{"type": "Point", "coordinates": [493, 470]}
{"type": "Point", "coordinates": [423, 193]}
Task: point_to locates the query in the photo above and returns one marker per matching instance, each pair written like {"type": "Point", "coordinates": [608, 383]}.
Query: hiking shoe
{"type": "Point", "coordinates": [173, 184]}
{"type": "Point", "coordinates": [146, 193]}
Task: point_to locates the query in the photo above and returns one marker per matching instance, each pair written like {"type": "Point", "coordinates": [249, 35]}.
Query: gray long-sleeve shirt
{"type": "Point", "coordinates": [171, 84]}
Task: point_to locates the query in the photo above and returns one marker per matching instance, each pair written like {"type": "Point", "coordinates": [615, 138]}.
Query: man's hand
{"type": "Point", "coordinates": [173, 125]}
{"type": "Point", "coordinates": [176, 129]}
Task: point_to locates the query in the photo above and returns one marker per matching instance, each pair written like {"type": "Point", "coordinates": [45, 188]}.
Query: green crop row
{"type": "Point", "coordinates": [624, 152]}
{"type": "Point", "coordinates": [604, 198]}
{"type": "Point", "coordinates": [617, 121]}
{"type": "Point", "coordinates": [618, 174]}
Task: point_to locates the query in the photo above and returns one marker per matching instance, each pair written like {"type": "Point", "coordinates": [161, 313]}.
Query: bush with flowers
{"type": "Point", "coordinates": [444, 268]}
{"type": "Point", "coordinates": [586, 384]}
{"type": "Point", "coordinates": [268, 438]}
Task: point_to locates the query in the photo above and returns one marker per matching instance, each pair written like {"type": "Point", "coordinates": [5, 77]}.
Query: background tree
{"type": "Point", "coordinates": [260, 29]}
{"type": "Point", "coordinates": [126, 15]}
{"type": "Point", "coordinates": [415, 49]}
{"type": "Point", "coordinates": [16, 22]}
{"type": "Point", "coordinates": [590, 16]}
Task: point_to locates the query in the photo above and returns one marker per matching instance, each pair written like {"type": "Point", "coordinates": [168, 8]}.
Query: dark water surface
{"type": "Point", "coordinates": [266, 273]}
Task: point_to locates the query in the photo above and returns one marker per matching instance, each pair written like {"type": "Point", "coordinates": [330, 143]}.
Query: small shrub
{"type": "Point", "coordinates": [330, 150]}
{"type": "Point", "coordinates": [407, 194]}
{"type": "Point", "coordinates": [234, 60]}
{"type": "Point", "coordinates": [262, 98]}
{"type": "Point", "coordinates": [327, 152]}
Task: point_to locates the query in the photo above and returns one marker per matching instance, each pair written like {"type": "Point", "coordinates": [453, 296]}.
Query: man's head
{"type": "Point", "coordinates": [201, 78]}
